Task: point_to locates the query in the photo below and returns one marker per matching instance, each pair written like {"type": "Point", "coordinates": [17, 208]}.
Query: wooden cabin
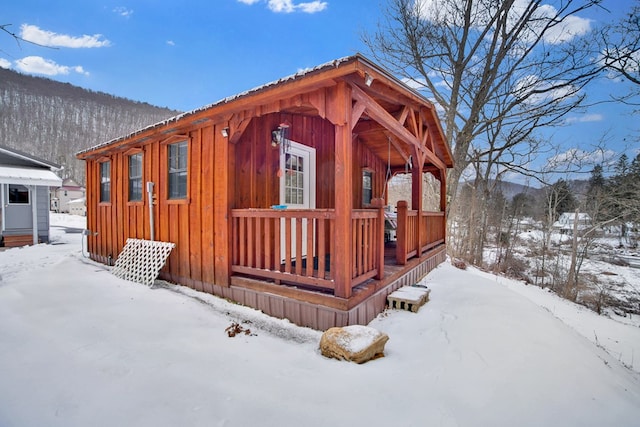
{"type": "Point", "coordinates": [275, 197]}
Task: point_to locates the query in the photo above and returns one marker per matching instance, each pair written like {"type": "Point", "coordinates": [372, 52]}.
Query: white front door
{"type": "Point", "coordinates": [297, 188]}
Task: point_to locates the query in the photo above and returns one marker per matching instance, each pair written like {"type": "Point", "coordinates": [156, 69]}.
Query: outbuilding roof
{"type": "Point", "coordinates": [27, 169]}
{"type": "Point", "coordinates": [29, 176]}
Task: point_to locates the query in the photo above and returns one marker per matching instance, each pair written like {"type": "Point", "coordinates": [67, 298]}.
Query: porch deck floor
{"type": "Point", "coordinates": [320, 309]}
{"type": "Point", "coordinates": [392, 271]}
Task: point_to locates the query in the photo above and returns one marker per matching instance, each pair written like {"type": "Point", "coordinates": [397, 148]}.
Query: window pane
{"type": "Point", "coordinates": [18, 194]}
{"type": "Point", "coordinates": [135, 189]}
{"type": "Point", "coordinates": [105, 181]}
{"type": "Point", "coordinates": [367, 178]}
{"type": "Point", "coordinates": [135, 177]}
{"type": "Point", "coordinates": [178, 170]}
{"type": "Point", "coordinates": [294, 179]}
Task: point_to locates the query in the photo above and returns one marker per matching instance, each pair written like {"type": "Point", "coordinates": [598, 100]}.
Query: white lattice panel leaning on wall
{"type": "Point", "coordinates": [141, 260]}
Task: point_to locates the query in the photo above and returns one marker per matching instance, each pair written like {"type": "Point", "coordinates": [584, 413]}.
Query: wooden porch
{"type": "Point", "coordinates": [265, 266]}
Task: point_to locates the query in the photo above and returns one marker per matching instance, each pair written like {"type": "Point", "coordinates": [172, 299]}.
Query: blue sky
{"type": "Point", "coordinates": [184, 55]}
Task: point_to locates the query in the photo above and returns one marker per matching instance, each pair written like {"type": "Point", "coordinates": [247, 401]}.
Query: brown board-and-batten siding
{"type": "Point", "coordinates": [198, 225]}
{"type": "Point", "coordinates": [257, 161]}
{"type": "Point", "coordinates": [189, 222]}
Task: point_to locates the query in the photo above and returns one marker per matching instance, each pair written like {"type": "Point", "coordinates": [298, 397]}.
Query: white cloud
{"type": "Point", "coordinates": [417, 84]}
{"type": "Point", "coordinates": [630, 61]}
{"type": "Point", "coordinates": [586, 118]}
{"type": "Point", "coordinates": [572, 26]}
{"type": "Point", "coordinates": [47, 67]}
{"type": "Point", "coordinates": [4, 63]}
{"type": "Point", "coordinates": [534, 91]}
{"type": "Point", "coordinates": [420, 83]}
{"type": "Point", "coordinates": [48, 38]}
{"type": "Point", "coordinates": [448, 12]}
{"type": "Point", "coordinates": [312, 7]}
{"type": "Point", "coordinates": [171, 43]}
{"type": "Point", "coordinates": [288, 6]}
{"type": "Point", "coordinates": [576, 156]}
{"type": "Point", "coordinates": [123, 11]}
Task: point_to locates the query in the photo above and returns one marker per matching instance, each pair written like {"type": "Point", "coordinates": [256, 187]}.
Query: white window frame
{"type": "Point", "coordinates": [18, 203]}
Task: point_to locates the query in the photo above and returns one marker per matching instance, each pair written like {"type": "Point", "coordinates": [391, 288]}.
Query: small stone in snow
{"type": "Point", "coordinates": [355, 343]}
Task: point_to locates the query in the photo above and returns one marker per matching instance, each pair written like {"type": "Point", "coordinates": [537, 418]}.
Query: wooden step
{"type": "Point", "coordinates": [17, 241]}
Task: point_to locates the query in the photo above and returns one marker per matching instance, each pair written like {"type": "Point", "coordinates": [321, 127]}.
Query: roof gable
{"type": "Point", "coordinates": [388, 91]}
{"type": "Point", "coordinates": [11, 157]}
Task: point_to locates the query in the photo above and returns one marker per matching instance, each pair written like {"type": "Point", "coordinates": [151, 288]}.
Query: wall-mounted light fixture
{"type": "Point", "coordinates": [280, 136]}
{"type": "Point", "coordinates": [225, 132]}
{"type": "Point", "coordinates": [368, 79]}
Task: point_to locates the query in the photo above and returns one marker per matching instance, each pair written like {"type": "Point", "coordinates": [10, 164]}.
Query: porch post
{"type": "Point", "coordinates": [34, 212]}
{"type": "Point", "coordinates": [2, 210]}
{"type": "Point", "coordinates": [401, 232]}
{"type": "Point", "coordinates": [443, 190]}
{"type": "Point", "coordinates": [416, 198]}
{"type": "Point", "coordinates": [221, 208]}
{"type": "Point", "coordinates": [379, 241]}
{"type": "Point", "coordinates": [341, 260]}
{"type": "Point", "coordinates": [443, 201]}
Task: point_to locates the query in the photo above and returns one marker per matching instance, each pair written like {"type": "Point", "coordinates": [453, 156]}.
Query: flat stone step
{"type": "Point", "coordinates": [409, 298]}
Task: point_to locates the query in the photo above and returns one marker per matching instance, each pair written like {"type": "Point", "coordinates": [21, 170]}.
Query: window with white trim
{"type": "Point", "coordinates": [177, 158]}
{"type": "Point", "coordinates": [367, 185]}
{"type": "Point", "coordinates": [18, 194]}
{"type": "Point", "coordinates": [135, 177]}
{"type": "Point", "coordinates": [105, 182]}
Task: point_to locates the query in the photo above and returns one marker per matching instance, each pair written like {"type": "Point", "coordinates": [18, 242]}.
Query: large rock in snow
{"type": "Point", "coordinates": [355, 343]}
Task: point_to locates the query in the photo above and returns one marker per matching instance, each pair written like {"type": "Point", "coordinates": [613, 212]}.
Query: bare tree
{"type": "Point", "coordinates": [621, 45]}
{"type": "Point", "coordinates": [5, 28]}
{"type": "Point", "coordinates": [498, 69]}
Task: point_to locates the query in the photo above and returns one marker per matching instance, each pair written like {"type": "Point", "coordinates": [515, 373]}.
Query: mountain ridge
{"type": "Point", "coordinates": [55, 120]}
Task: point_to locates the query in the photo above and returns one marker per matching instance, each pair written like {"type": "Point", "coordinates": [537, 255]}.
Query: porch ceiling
{"type": "Point", "coordinates": [381, 142]}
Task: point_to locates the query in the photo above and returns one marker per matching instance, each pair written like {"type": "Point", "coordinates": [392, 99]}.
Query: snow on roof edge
{"type": "Point", "coordinates": [335, 63]}
{"type": "Point", "coordinates": [29, 157]}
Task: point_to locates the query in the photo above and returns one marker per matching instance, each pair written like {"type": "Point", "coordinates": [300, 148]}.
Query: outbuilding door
{"type": "Point", "coordinates": [297, 187]}
{"type": "Point", "coordinates": [17, 211]}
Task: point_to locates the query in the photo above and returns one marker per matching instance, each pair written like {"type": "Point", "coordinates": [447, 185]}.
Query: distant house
{"type": "Point", "coordinates": [565, 224]}
{"type": "Point", "coordinates": [24, 197]}
{"type": "Point", "coordinates": [78, 206]}
{"type": "Point", "coordinates": [275, 197]}
{"type": "Point", "coordinates": [61, 196]}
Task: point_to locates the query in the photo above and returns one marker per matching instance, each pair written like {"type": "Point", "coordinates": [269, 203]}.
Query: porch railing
{"type": "Point", "coordinates": [296, 245]}
{"type": "Point", "coordinates": [416, 235]}
{"type": "Point", "coordinates": [367, 245]}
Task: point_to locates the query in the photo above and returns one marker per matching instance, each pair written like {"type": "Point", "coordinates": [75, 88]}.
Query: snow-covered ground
{"type": "Point", "coordinates": [80, 347]}
{"type": "Point", "coordinates": [607, 280]}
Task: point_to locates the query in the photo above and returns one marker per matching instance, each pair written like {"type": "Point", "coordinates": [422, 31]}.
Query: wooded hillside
{"type": "Point", "coordinates": [54, 120]}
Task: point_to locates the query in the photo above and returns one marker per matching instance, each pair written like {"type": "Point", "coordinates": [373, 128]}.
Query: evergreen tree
{"type": "Point", "coordinates": [596, 195]}
{"type": "Point", "coordinates": [560, 198]}
{"type": "Point", "coordinates": [623, 194]}
{"type": "Point", "coordinates": [622, 166]}
{"type": "Point", "coordinates": [634, 169]}
{"type": "Point", "coordinates": [522, 205]}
